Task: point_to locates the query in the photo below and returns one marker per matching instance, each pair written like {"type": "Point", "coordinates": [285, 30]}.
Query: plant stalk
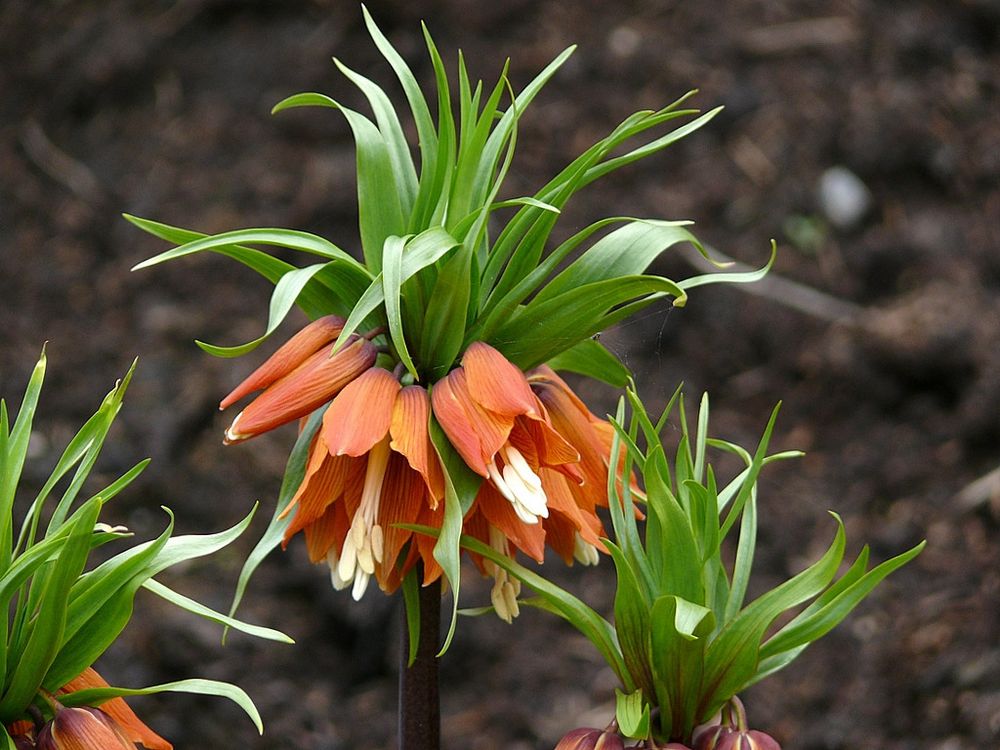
{"type": "Point", "coordinates": [419, 705]}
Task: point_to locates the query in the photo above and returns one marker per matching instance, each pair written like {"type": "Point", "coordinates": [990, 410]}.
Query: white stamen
{"type": "Point", "coordinates": [498, 481]}
{"type": "Point", "coordinates": [515, 459]}
{"type": "Point", "coordinates": [332, 560]}
{"type": "Point", "coordinates": [505, 589]}
{"type": "Point", "coordinates": [365, 540]}
{"type": "Point", "coordinates": [584, 552]}
{"type": "Point", "coordinates": [533, 499]}
{"type": "Point", "coordinates": [109, 529]}
{"type": "Point", "coordinates": [520, 485]}
{"type": "Point", "coordinates": [360, 584]}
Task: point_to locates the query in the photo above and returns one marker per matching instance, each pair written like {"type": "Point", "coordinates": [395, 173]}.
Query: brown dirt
{"type": "Point", "coordinates": [160, 109]}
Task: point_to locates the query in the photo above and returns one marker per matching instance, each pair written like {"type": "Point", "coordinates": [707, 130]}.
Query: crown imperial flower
{"type": "Point", "coordinates": [371, 466]}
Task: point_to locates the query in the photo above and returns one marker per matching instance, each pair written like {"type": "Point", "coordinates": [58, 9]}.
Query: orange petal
{"type": "Point", "coordinates": [410, 437]}
{"type": "Point", "coordinates": [404, 495]}
{"type": "Point", "coordinates": [551, 448]}
{"type": "Point", "coordinates": [290, 355]}
{"type": "Point", "coordinates": [495, 383]}
{"type": "Point", "coordinates": [529, 538]}
{"type": "Point", "coordinates": [476, 433]}
{"type": "Point", "coordinates": [360, 415]}
{"type": "Point", "coordinates": [318, 492]}
{"type": "Point", "coordinates": [329, 530]}
{"type": "Point", "coordinates": [118, 709]}
{"type": "Point", "coordinates": [304, 390]}
{"type": "Point", "coordinates": [562, 499]}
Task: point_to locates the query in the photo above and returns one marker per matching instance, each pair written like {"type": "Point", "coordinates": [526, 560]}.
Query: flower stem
{"type": "Point", "coordinates": [419, 707]}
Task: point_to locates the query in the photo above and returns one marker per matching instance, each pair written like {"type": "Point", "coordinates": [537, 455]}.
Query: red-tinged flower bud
{"type": "Point", "coordinates": [82, 729]}
{"type": "Point", "coordinates": [24, 742]}
{"type": "Point", "coordinates": [305, 389]}
{"type": "Point", "coordinates": [290, 355]}
{"type": "Point", "coordinates": [587, 738]}
{"type": "Point", "coordinates": [712, 737]}
{"type": "Point", "coordinates": [748, 740]}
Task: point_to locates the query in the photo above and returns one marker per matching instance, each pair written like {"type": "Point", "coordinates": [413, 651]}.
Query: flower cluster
{"type": "Point", "coordinates": [373, 470]}
{"type": "Point", "coordinates": [447, 413]}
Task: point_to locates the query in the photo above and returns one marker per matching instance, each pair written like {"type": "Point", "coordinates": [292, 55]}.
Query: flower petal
{"type": "Point", "coordinates": [495, 383]}
{"type": "Point", "coordinates": [289, 356]}
{"type": "Point", "coordinates": [477, 434]}
{"type": "Point", "coordinates": [404, 495]}
{"type": "Point", "coordinates": [302, 391]}
{"type": "Point", "coordinates": [411, 438]}
{"type": "Point", "coordinates": [529, 538]}
{"type": "Point", "coordinates": [360, 415]}
{"type": "Point", "coordinates": [329, 530]}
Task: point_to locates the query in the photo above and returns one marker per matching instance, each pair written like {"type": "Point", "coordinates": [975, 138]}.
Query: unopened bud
{"type": "Point", "coordinates": [749, 740]}
{"type": "Point", "coordinates": [712, 737]}
{"type": "Point", "coordinates": [82, 729]}
{"type": "Point", "coordinates": [587, 738]}
{"type": "Point", "coordinates": [23, 742]}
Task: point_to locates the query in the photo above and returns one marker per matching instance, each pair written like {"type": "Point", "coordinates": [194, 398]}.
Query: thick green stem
{"type": "Point", "coordinates": [419, 707]}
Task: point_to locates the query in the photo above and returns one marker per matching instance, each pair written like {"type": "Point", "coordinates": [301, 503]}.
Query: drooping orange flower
{"type": "Point", "coordinates": [298, 378]}
{"type": "Point", "coordinates": [371, 466]}
{"type": "Point", "coordinates": [541, 462]}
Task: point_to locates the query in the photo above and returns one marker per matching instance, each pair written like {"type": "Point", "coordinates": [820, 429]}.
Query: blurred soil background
{"type": "Point", "coordinates": [864, 137]}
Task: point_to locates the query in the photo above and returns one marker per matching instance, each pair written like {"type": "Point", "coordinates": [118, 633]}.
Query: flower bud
{"type": "Point", "coordinates": [82, 729]}
{"type": "Point", "coordinates": [712, 737]}
{"type": "Point", "coordinates": [310, 385]}
{"type": "Point", "coordinates": [587, 738]}
{"type": "Point", "coordinates": [748, 740]}
{"type": "Point", "coordinates": [23, 742]}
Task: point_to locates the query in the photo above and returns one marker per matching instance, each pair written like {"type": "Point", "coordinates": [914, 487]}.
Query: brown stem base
{"type": "Point", "coordinates": [419, 707]}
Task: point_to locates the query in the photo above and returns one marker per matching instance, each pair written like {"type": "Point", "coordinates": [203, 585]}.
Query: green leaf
{"type": "Point", "coordinates": [444, 321]}
{"type": "Point", "coordinates": [316, 299]}
{"type": "Point", "coordinates": [591, 358]}
{"type": "Point", "coordinates": [15, 451]}
{"type": "Point", "coordinates": [742, 277]}
{"type": "Point", "coordinates": [632, 714]}
{"type": "Point", "coordinates": [392, 273]}
{"type": "Point", "coordinates": [97, 696]}
{"type": "Point", "coordinates": [380, 212]}
{"type": "Point", "coordinates": [286, 294]}
{"type": "Point", "coordinates": [810, 626]}
{"type": "Point", "coordinates": [411, 603]}
{"type": "Point", "coordinates": [625, 252]}
{"type": "Point", "coordinates": [744, 558]}
{"type": "Point", "coordinates": [461, 485]}
{"type": "Point", "coordinates": [421, 251]}
{"type": "Point", "coordinates": [632, 622]}
{"type": "Point", "coordinates": [392, 134]}
{"type": "Point", "coordinates": [539, 331]}
{"type": "Point", "coordinates": [733, 655]}
{"type": "Point", "coordinates": [679, 632]}
{"type": "Point", "coordinates": [594, 627]}
{"type": "Point", "coordinates": [290, 238]}
{"type": "Point", "coordinates": [201, 610]}
{"type": "Point", "coordinates": [295, 471]}
{"type": "Point", "coordinates": [48, 626]}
